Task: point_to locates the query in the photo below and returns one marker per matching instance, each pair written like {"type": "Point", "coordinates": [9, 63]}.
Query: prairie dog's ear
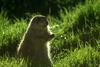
{"type": "Point", "coordinates": [39, 19]}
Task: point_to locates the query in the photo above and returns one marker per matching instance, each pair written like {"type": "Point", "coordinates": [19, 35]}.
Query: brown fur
{"type": "Point", "coordinates": [34, 43]}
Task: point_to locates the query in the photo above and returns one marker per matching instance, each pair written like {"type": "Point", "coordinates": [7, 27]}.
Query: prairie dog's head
{"type": "Point", "coordinates": [40, 21]}
{"type": "Point", "coordinates": [39, 26]}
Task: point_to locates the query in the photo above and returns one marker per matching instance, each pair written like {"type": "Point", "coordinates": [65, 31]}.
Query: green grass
{"type": "Point", "coordinates": [76, 42]}
{"type": "Point", "coordinates": [84, 57]}
{"type": "Point", "coordinates": [10, 34]}
{"type": "Point", "coordinates": [12, 62]}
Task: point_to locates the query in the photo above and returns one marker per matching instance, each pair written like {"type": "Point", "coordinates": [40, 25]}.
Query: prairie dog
{"type": "Point", "coordinates": [34, 44]}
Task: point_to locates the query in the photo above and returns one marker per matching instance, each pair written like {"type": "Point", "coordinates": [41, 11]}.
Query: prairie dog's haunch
{"type": "Point", "coordinates": [35, 41]}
